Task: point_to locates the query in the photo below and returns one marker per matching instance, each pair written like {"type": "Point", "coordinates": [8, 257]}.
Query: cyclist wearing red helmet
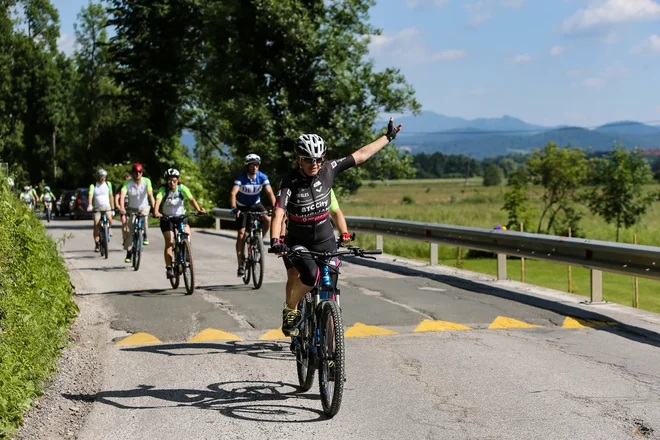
{"type": "Point", "coordinates": [136, 191]}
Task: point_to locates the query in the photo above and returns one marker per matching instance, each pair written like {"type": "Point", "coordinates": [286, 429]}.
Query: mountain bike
{"type": "Point", "coordinates": [319, 336]}
{"type": "Point", "coordinates": [182, 259]}
{"type": "Point", "coordinates": [253, 249]}
{"type": "Point", "coordinates": [104, 235]}
{"type": "Point", "coordinates": [138, 237]}
{"type": "Point", "coordinates": [47, 210]}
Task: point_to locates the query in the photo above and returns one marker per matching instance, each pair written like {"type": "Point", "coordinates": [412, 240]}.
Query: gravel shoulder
{"type": "Point", "coordinates": [80, 372]}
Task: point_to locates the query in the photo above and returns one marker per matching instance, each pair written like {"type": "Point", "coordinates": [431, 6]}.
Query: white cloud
{"type": "Point", "coordinates": [604, 13]}
{"type": "Point", "coordinates": [478, 91]}
{"type": "Point", "coordinates": [512, 3]}
{"type": "Point", "coordinates": [406, 48]}
{"type": "Point", "coordinates": [66, 43]}
{"type": "Point", "coordinates": [479, 12]}
{"type": "Point", "coordinates": [650, 46]}
{"type": "Point", "coordinates": [521, 59]}
{"type": "Point", "coordinates": [594, 82]}
{"type": "Point", "coordinates": [556, 50]}
{"type": "Point", "coordinates": [419, 4]}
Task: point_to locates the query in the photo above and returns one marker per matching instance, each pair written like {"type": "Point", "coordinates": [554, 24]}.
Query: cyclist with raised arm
{"type": "Point", "coordinates": [170, 202]}
{"type": "Point", "coordinates": [246, 197]}
{"type": "Point", "coordinates": [139, 193]}
{"type": "Point", "coordinates": [100, 200]}
{"type": "Point", "coordinates": [304, 196]}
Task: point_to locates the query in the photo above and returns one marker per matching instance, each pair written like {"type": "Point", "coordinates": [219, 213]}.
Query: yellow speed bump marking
{"type": "Point", "coordinates": [439, 326]}
{"type": "Point", "coordinates": [211, 334]}
{"type": "Point", "coordinates": [273, 334]}
{"type": "Point", "coordinates": [360, 330]}
{"type": "Point", "coordinates": [139, 339]}
{"type": "Point", "coordinates": [503, 322]}
{"type": "Point", "coordinates": [584, 323]}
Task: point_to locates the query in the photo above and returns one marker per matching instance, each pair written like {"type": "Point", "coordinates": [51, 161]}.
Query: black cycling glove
{"type": "Point", "coordinates": [391, 131]}
{"type": "Point", "coordinates": [278, 247]}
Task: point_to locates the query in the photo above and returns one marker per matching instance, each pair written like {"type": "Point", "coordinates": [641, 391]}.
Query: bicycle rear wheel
{"type": "Point", "coordinates": [174, 281]}
{"type": "Point", "coordinates": [137, 250]}
{"type": "Point", "coordinates": [187, 266]}
{"type": "Point", "coordinates": [246, 262]}
{"type": "Point", "coordinates": [331, 365]}
{"type": "Point", "coordinates": [305, 356]}
{"type": "Point", "coordinates": [257, 265]}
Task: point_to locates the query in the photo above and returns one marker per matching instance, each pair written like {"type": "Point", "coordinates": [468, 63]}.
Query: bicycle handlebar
{"type": "Point", "coordinates": [179, 217]}
{"type": "Point", "coordinates": [352, 251]}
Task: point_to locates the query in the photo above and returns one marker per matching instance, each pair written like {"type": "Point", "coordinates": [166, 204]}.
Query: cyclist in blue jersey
{"type": "Point", "coordinates": [246, 196]}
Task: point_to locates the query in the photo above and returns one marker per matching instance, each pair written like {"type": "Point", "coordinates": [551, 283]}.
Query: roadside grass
{"type": "Point", "coordinates": [443, 201]}
{"type": "Point", "coordinates": [36, 309]}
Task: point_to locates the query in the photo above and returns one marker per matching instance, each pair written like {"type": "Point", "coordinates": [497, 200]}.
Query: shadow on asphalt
{"type": "Point", "coordinates": [225, 287]}
{"type": "Point", "coordinates": [631, 332]}
{"type": "Point", "coordinates": [263, 350]}
{"type": "Point", "coordinates": [141, 292]}
{"type": "Point", "coordinates": [259, 401]}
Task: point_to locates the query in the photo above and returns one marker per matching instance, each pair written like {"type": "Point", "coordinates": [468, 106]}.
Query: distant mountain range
{"type": "Point", "coordinates": [486, 137]}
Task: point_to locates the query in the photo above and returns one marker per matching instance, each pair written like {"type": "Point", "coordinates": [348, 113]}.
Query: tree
{"type": "Point", "coordinates": [618, 195]}
{"type": "Point", "coordinates": [561, 172]}
{"type": "Point", "coordinates": [391, 164]}
{"type": "Point", "coordinates": [516, 201]}
{"type": "Point", "coordinates": [493, 175]}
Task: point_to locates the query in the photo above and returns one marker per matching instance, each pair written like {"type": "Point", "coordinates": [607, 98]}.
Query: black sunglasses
{"type": "Point", "coordinates": [312, 160]}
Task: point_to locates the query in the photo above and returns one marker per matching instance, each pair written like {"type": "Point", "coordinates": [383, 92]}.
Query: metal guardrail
{"type": "Point", "coordinates": [598, 256]}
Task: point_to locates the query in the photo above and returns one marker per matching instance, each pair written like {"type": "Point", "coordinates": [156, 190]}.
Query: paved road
{"type": "Point", "coordinates": [439, 361]}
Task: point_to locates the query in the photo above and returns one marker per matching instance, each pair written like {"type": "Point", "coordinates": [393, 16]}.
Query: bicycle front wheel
{"type": "Point", "coordinates": [104, 241]}
{"type": "Point", "coordinates": [187, 266]}
{"type": "Point", "coordinates": [305, 356]}
{"type": "Point", "coordinates": [247, 262]}
{"type": "Point", "coordinates": [48, 215]}
{"type": "Point", "coordinates": [257, 265]}
{"type": "Point", "coordinates": [174, 281]}
{"type": "Point", "coordinates": [137, 250]}
{"type": "Point", "coordinates": [331, 365]}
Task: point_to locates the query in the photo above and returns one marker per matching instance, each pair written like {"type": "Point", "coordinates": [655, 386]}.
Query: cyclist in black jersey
{"type": "Point", "coordinates": [304, 196]}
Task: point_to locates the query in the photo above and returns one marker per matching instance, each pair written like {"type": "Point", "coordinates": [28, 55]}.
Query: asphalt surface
{"type": "Point", "coordinates": [479, 376]}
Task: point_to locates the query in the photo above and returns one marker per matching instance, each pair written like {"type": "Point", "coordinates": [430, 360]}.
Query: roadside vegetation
{"type": "Point", "coordinates": [36, 309]}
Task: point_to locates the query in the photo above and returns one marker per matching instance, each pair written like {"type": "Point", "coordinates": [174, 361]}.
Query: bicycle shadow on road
{"type": "Point", "coordinates": [263, 350]}
{"type": "Point", "coordinates": [226, 287]}
{"type": "Point", "coordinates": [145, 293]}
{"type": "Point", "coordinates": [256, 398]}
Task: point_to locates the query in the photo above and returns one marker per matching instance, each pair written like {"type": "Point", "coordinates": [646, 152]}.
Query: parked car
{"type": "Point", "coordinates": [63, 204]}
{"type": "Point", "coordinates": [79, 205]}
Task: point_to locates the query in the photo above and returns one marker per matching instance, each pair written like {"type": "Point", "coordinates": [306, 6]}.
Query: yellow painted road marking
{"type": "Point", "coordinates": [584, 323]}
{"type": "Point", "coordinates": [139, 339]}
{"type": "Point", "coordinates": [273, 334]}
{"type": "Point", "coordinates": [503, 322]}
{"type": "Point", "coordinates": [439, 326]}
{"type": "Point", "coordinates": [211, 334]}
{"type": "Point", "coordinates": [359, 330]}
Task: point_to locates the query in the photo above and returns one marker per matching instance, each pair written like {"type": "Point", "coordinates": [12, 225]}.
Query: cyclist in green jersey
{"type": "Point", "coordinates": [48, 198]}
{"type": "Point", "coordinates": [170, 201]}
{"type": "Point", "coordinates": [138, 192]}
{"type": "Point", "coordinates": [27, 197]}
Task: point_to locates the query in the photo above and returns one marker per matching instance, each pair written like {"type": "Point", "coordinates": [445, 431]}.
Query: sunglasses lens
{"type": "Point", "coordinates": [312, 160]}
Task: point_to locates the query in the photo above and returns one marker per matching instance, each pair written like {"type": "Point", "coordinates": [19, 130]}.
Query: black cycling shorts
{"type": "Point", "coordinates": [306, 267]}
{"type": "Point", "coordinates": [242, 219]}
{"type": "Point", "coordinates": [171, 225]}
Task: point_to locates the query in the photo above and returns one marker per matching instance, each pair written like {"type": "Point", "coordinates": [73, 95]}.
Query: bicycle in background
{"type": "Point", "coordinates": [253, 249]}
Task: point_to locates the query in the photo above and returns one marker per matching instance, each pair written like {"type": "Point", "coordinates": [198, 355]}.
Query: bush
{"type": "Point", "coordinates": [35, 309]}
{"type": "Point", "coordinates": [408, 200]}
{"type": "Point", "coordinates": [493, 176]}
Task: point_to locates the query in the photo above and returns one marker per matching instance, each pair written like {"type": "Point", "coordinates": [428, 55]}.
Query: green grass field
{"type": "Point", "coordinates": [450, 201]}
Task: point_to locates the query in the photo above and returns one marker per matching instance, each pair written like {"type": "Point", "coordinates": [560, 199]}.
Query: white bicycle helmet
{"type": "Point", "coordinates": [310, 145]}
{"type": "Point", "coordinates": [102, 173]}
{"type": "Point", "coordinates": [252, 158]}
{"type": "Point", "coordinates": [172, 172]}
{"type": "Point", "coordinates": [26, 188]}
{"type": "Point", "coordinates": [47, 188]}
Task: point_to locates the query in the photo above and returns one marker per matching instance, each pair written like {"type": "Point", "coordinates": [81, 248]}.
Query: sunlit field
{"type": "Point", "coordinates": [468, 203]}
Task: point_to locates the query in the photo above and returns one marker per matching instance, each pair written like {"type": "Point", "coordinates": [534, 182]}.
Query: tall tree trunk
{"type": "Point", "coordinates": [54, 152]}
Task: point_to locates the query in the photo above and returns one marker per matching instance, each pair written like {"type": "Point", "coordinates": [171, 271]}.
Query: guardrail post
{"type": "Point", "coordinates": [217, 224]}
{"type": "Point", "coordinates": [379, 242]}
{"type": "Point", "coordinates": [501, 266]}
{"type": "Point", "coordinates": [434, 254]}
{"type": "Point", "coordinates": [596, 286]}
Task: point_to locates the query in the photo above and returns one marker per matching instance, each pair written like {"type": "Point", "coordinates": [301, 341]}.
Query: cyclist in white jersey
{"type": "Point", "coordinates": [170, 201]}
{"type": "Point", "coordinates": [48, 198]}
{"type": "Point", "coordinates": [139, 193]}
{"type": "Point", "coordinates": [100, 200]}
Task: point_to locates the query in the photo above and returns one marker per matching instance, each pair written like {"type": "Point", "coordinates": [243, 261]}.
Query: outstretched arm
{"type": "Point", "coordinates": [369, 150]}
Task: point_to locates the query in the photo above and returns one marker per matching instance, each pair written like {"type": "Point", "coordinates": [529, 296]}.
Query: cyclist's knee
{"type": "Point", "coordinates": [241, 236]}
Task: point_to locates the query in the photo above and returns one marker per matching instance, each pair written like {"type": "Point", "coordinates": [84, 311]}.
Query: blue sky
{"type": "Point", "coordinates": [549, 62]}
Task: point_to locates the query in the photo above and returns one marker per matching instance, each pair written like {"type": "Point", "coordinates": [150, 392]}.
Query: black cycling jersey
{"type": "Point", "coordinates": [307, 201]}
